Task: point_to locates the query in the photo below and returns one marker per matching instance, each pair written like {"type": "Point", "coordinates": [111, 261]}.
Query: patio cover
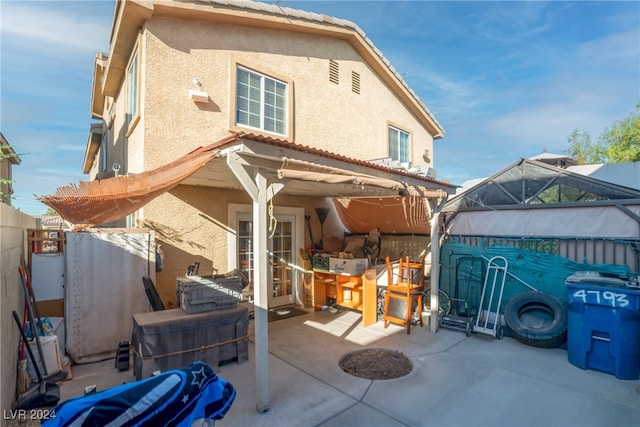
{"type": "Point", "coordinates": [103, 201]}
{"type": "Point", "coordinates": [262, 166]}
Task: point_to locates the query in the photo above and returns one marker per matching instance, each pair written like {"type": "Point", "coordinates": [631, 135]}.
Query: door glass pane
{"type": "Point", "coordinates": [281, 256]}
{"type": "Point", "coordinates": [245, 249]}
{"type": "Point", "coordinates": [282, 259]}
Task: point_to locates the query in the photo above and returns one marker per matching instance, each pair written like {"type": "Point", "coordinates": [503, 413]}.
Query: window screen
{"type": "Point", "coordinates": [261, 102]}
{"type": "Point", "coordinates": [398, 144]}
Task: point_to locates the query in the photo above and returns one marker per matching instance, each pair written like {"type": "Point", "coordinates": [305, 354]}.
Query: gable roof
{"type": "Point", "coordinates": [130, 16]}
{"type": "Point", "coordinates": [425, 181]}
{"type": "Point", "coordinates": [530, 183]}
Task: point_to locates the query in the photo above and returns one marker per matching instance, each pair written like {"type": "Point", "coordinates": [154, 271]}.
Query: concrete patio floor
{"type": "Point", "coordinates": [456, 381]}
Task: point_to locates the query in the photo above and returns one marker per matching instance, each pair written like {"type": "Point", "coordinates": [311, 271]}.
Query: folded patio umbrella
{"type": "Point", "coordinates": [174, 398]}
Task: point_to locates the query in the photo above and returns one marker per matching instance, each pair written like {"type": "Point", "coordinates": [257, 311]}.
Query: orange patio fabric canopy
{"type": "Point", "coordinates": [390, 215]}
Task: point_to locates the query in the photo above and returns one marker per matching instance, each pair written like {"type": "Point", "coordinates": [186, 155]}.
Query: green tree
{"type": "Point", "coordinates": [583, 150]}
{"type": "Point", "coordinates": [623, 139]}
{"type": "Point", "coordinates": [3, 181]}
{"type": "Point", "coordinates": [620, 143]}
{"type": "Point", "coordinates": [6, 152]}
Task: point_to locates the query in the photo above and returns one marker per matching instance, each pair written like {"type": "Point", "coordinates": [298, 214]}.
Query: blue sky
{"type": "Point", "coordinates": [505, 79]}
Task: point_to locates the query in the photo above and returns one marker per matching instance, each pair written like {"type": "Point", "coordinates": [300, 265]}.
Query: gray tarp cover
{"type": "Point", "coordinates": [171, 339]}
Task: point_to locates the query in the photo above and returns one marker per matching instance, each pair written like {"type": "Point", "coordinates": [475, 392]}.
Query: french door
{"type": "Point", "coordinates": [281, 254]}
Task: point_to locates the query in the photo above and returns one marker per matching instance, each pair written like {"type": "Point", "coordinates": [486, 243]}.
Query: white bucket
{"type": "Point", "coordinates": [52, 358]}
{"type": "Point", "coordinates": [347, 295]}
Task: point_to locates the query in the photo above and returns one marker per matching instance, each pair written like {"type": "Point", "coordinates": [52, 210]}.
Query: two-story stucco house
{"type": "Point", "coordinates": [292, 108]}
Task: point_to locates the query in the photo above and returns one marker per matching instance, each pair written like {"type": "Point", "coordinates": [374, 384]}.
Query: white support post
{"type": "Point", "coordinates": [435, 271]}
{"type": "Point", "coordinates": [261, 293]}
{"type": "Point", "coordinates": [255, 184]}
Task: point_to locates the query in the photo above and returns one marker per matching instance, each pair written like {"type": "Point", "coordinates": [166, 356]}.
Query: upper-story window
{"type": "Point", "coordinates": [132, 92]}
{"type": "Point", "coordinates": [398, 145]}
{"type": "Point", "coordinates": [103, 152]}
{"type": "Point", "coordinates": [261, 102]}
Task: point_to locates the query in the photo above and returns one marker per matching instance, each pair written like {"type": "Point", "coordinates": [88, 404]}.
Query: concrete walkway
{"type": "Point", "coordinates": [456, 381]}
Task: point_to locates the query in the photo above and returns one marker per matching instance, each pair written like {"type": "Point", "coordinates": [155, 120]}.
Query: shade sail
{"type": "Point", "coordinates": [107, 200]}
{"type": "Point", "coordinates": [390, 215]}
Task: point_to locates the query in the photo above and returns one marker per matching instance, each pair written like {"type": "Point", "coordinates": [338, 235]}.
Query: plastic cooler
{"type": "Point", "coordinates": [603, 331]}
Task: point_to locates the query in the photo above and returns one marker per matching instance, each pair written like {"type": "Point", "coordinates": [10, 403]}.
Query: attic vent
{"type": "Point", "coordinates": [355, 82]}
{"type": "Point", "coordinates": [334, 71]}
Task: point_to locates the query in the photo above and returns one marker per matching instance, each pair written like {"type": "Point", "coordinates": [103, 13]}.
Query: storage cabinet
{"type": "Point", "coordinates": [354, 292]}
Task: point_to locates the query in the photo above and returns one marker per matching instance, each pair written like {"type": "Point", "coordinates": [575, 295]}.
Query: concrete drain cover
{"type": "Point", "coordinates": [376, 364]}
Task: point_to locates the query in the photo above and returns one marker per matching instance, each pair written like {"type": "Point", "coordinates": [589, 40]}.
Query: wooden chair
{"type": "Point", "coordinates": [403, 290]}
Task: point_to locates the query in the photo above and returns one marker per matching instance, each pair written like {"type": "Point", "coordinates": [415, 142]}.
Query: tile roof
{"type": "Point", "coordinates": [331, 155]}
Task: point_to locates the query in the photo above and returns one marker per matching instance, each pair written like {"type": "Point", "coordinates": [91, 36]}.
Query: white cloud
{"type": "Point", "coordinates": [612, 51]}
{"type": "Point", "coordinates": [46, 27]}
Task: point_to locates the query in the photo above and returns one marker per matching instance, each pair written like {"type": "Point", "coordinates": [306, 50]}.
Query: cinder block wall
{"type": "Point", "coordinates": [13, 245]}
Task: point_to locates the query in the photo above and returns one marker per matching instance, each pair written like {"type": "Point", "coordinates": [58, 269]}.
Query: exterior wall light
{"type": "Point", "coordinates": [198, 94]}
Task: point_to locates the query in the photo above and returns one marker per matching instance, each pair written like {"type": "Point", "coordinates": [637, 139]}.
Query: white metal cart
{"type": "Point", "coordinates": [488, 322]}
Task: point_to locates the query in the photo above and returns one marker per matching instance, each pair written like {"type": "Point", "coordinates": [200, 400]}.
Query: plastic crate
{"type": "Point", "coordinates": [604, 327]}
{"type": "Point", "coordinates": [200, 294]}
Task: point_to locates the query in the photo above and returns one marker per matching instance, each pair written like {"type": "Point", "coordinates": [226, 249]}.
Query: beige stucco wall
{"type": "Point", "coordinates": [326, 115]}
{"type": "Point", "coordinates": [13, 226]}
{"type": "Point", "coordinates": [192, 224]}
{"type": "Point", "coordinates": [125, 144]}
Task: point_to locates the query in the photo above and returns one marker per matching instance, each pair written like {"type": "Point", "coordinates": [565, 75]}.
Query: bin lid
{"type": "Point", "coordinates": [596, 279]}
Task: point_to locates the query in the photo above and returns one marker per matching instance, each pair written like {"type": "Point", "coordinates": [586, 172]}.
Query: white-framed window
{"type": "Point", "coordinates": [130, 220]}
{"type": "Point", "coordinates": [132, 91]}
{"type": "Point", "coordinates": [103, 152]}
{"type": "Point", "coordinates": [261, 102]}
{"type": "Point", "coordinates": [399, 144]}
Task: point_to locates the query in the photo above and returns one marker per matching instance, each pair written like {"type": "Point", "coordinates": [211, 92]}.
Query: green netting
{"type": "Point", "coordinates": [463, 270]}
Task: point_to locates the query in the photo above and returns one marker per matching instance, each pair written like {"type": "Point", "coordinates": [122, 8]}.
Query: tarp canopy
{"type": "Point", "coordinates": [107, 200]}
{"type": "Point", "coordinates": [596, 221]}
{"type": "Point", "coordinates": [306, 171]}
{"type": "Point", "coordinates": [531, 198]}
{"type": "Point", "coordinates": [390, 215]}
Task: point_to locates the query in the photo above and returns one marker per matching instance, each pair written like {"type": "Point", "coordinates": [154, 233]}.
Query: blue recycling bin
{"type": "Point", "coordinates": [603, 331]}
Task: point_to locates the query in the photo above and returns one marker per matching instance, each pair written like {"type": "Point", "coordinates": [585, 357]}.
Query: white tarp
{"type": "Point", "coordinates": [104, 288]}
{"type": "Point", "coordinates": [600, 221]}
